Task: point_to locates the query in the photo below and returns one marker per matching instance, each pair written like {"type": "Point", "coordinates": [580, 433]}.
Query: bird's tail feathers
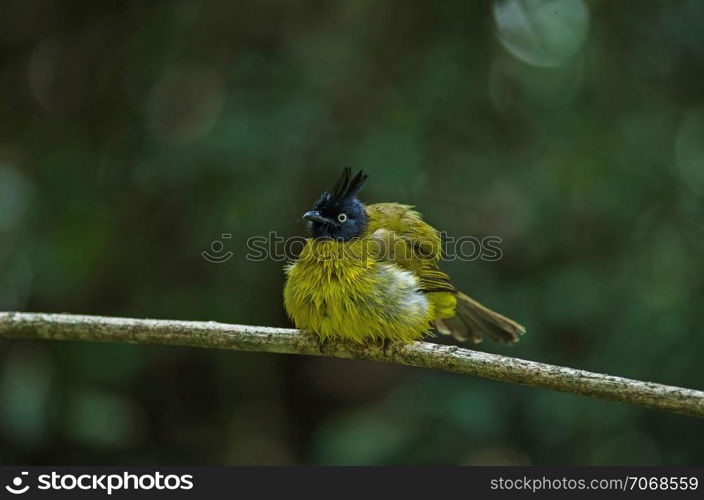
{"type": "Point", "coordinates": [472, 320]}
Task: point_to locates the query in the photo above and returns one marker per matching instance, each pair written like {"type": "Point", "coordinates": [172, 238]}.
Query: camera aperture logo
{"type": "Point", "coordinates": [107, 483]}
{"type": "Point", "coordinates": [16, 486]}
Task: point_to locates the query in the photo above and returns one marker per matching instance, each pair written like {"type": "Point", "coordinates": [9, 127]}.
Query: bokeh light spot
{"type": "Point", "coordinates": [542, 32]}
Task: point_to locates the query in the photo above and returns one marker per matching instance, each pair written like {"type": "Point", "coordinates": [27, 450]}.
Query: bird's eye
{"type": "Point", "coordinates": [342, 217]}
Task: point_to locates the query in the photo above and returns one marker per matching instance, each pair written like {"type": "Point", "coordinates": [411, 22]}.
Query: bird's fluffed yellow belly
{"type": "Point", "coordinates": [347, 296]}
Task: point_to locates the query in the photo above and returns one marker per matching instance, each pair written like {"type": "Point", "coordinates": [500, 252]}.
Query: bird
{"type": "Point", "coordinates": [371, 273]}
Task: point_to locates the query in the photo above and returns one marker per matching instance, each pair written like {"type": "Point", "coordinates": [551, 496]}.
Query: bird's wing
{"type": "Point", "coordinates": [399, 235]}
{"type": "Point", "coordinates": [433, 279]}
{"type": "Point", "coordinates": [407, 224]}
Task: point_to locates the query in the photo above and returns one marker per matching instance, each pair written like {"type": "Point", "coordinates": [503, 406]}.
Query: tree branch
{"type": "Point", "coordinates": [287, 341]}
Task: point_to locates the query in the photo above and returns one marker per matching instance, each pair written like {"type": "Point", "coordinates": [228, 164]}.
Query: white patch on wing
{"type": "Point", "coordinates": [400, 294]}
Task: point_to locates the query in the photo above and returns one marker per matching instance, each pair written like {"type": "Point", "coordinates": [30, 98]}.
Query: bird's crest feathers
{"type": "Point", "coordinates": [347, 186]}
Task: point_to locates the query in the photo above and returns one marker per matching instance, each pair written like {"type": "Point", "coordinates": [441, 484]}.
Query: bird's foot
{"type": "Point", "coordinates": [321, 344]}
{"type": "Point", "coordinates": [385, 344]}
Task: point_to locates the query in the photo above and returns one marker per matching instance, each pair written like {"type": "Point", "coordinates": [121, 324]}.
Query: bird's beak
{"type": "Point", "coordinates": [315, 216]}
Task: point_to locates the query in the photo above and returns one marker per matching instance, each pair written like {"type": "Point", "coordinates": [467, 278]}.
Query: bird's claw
{"type": "Point", "coordinates": [386, 343]}
{"type": "Point", "coordinates": [321, 345]}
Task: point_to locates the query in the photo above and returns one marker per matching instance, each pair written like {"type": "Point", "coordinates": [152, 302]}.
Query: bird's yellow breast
{"type": "Point", "coordinates": [339, 290]}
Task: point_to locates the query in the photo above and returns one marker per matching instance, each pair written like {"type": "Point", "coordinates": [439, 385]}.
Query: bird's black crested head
{"type": "Point", "coordinates": [338, 214]}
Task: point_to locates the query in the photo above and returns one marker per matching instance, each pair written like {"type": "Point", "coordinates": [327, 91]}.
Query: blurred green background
{"type": "Point", "coordinates": [134, 134]}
